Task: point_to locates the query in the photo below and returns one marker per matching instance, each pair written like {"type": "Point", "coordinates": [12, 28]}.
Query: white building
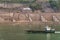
{"type": "Point", "coordinates": [27, 9]}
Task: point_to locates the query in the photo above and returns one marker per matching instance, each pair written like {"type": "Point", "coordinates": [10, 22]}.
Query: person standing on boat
{"type": "Point", "coordinates": [47, 28]}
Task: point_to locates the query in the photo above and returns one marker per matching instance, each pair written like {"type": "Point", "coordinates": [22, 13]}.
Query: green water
{"type": "Point", "coordinates": [16, 32]}
{"type": "Point", "coordinates": [22, 36]}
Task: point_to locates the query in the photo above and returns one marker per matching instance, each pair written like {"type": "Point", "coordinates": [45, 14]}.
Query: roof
{"type": "Point", "coordinates": [26, 8]}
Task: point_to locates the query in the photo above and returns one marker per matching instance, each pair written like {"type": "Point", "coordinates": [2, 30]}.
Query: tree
{"type": "Point", "coordinates": [35, 6]}
{"type": "Point", "coordinates": [54, 4]}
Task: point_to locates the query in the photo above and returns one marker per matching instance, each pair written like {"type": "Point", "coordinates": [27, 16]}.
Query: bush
{"type": "Point", "coordinates": [53, 4]}
{"type": "Point", "coordinates": [18, 1]}
{"type": "Point", "coordinates": [35, 6]}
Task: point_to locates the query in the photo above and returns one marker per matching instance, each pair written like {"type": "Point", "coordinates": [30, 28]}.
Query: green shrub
{"type": "Point", "coordinates": [35, 6]}
{"type": "Point", "coordinates": [54, 4]}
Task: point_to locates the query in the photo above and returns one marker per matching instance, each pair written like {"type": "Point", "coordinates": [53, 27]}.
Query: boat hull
{"type": "Point", "coordinates": [33, 31]}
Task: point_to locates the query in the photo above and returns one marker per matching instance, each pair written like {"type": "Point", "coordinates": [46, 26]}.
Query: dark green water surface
{"type": "Point", "coordinates": [22, 36]}
{"type": "Point", "coordinates": [8, 32]}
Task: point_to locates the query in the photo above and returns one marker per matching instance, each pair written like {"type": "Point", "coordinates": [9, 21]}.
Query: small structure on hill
{"type": "Point", "coordinates": [26, 9]}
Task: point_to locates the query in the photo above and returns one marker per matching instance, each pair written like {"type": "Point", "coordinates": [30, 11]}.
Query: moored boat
{"type": "Point", "coordinates": [47, 29]}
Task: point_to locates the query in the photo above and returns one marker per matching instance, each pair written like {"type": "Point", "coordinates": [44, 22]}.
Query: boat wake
{"type": "Point", "coordinates": [57, 32]}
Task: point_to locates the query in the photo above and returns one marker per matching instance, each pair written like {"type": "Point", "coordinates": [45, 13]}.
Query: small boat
{"type": "Point", "coordinates": [47, 29]}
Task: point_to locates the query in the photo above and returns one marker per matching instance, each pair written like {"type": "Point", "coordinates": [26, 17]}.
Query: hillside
{"type": "Point", "coordinates": [15, 13]}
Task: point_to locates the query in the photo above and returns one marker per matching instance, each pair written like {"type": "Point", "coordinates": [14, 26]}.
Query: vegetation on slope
{"type": "Point", "coordinates": [35, 6]}
{"type": "Point", "coordinates": [18, 1]}
{"type": "Point", "coordinates": [55, 5]}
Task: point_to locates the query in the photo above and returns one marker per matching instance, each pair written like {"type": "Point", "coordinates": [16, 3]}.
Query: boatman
{"type": "Point", "coordinates": [47, 28]}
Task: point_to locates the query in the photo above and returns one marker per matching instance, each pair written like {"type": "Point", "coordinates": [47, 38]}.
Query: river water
{"type": "Point", "coordinates": [8, 32]}
{"type": "Point", "coordinates": [24, 36]}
